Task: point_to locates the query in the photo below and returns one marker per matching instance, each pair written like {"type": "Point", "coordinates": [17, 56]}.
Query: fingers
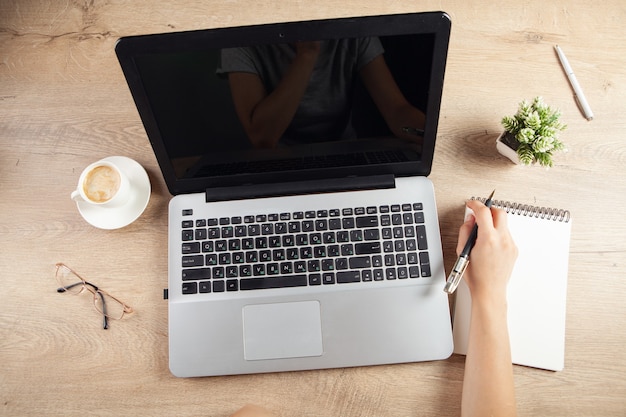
{"type": "Point", "coordinates": [464, 232]}
{"type": "Point", "coordinates": [482, 213]}
{"type": "Point", "coordinates": [499, 218]}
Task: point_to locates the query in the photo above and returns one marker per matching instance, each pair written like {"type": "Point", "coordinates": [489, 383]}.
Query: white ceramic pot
{"type": "Point", "coordinates": [505, 149]}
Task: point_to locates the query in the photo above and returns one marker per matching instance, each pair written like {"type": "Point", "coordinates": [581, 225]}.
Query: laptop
{"type": "Point", "coordinates": [303, 231]}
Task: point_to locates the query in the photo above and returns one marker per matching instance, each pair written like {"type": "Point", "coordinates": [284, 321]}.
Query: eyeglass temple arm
{"type": "Point", "coordinates": [105, 320]}
{"type": "Point", "coordinates": [68, 287]}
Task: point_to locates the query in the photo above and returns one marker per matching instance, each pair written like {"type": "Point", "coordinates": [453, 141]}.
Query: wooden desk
{"type": "Point", "coordinates": [64, 103]}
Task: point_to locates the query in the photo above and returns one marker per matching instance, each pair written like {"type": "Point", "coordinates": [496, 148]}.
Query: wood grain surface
{"type": "Point", "coordinates": [64, 103]}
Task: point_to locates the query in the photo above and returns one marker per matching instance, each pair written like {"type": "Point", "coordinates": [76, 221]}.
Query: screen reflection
{"type": "Point", "coordinates": [340, 102]}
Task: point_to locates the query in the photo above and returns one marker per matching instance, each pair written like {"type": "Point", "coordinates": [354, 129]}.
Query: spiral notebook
{"type": "Point", "coordinates": [536, 291]}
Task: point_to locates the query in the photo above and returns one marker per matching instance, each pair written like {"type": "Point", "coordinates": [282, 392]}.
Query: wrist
{"type": "Point", "coordinates": [491, 299]}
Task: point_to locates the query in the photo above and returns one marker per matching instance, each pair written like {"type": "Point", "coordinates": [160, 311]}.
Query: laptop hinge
{"type": "Point", "coordinates": [299, 187]}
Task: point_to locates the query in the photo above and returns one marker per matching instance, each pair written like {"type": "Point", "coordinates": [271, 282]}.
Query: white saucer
{"type": "Point", "coordinates": [117, 217]}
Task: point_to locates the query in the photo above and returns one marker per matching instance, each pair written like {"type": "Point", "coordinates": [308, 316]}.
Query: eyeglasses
{"type": "Point", "coordinates": [109, 306]}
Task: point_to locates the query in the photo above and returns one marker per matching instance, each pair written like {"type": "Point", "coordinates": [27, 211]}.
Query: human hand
{"type": "Point", "coordinates": [250, 410]}
{"type": "Point", "coordinates": [493, 256]}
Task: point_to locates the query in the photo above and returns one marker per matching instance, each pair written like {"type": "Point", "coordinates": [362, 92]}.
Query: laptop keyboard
{"type": "Point", "coordinates": [298, 249]}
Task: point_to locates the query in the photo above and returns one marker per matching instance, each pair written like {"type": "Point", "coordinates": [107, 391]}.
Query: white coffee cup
{"type": "Point", "coordinates": [102, 184]}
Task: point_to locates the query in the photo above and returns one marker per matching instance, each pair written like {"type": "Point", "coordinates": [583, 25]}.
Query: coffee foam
{"type": "Point", "coordinates": [101, 183]}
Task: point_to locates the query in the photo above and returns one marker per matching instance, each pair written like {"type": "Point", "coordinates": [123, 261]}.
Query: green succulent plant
{"type": "Point", "coordinates": [535, 127]}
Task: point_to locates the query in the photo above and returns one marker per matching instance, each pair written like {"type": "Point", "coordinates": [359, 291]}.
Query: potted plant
{"type": "Point", "coordinates": [530, 135]}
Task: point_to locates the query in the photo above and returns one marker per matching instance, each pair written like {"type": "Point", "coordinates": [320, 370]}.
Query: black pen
{"type": "Point", "coordinates": [461, 264]}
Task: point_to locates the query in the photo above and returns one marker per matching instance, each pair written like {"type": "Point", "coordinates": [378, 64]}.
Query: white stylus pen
{"type": "Point", "coordinates": [578, 92]}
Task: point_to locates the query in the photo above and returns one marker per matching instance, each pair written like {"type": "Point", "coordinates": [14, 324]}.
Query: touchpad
{"type": "Point", "coordinates": [282, 330]}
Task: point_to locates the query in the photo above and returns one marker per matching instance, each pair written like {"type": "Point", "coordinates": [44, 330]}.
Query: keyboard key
{"type": "Point", "coordinates": [204, 287]}
{"type": "Point", "coordinates": [254, 230]}
{"type": "Point", "coordinates": [367, 221]}
{"type": "Point", "coordinates": [341, 263]}
{"type": "Point", "coordinates": [211, 259]}
{"type": "Point", "coordinates": [356, 235]}
{"type": "Point", "coordinates": [328, 265]}
{"type": "Point", "coordinates": [313, 266]}
{"type": "Point", "coordinates": [348, 276]}
{"type": "Point", "coordinates": [187, 235]}
{"type": "Point", "coordinates": [232, 285]}
{"type": "Point", "coordinates": [315, 279]}
{"type": "Point", "coordinates": [286, 268]}
{"type": "Point", "coordinates": [273, 269]}
{"type": "Point", "coordinates": [371, 234]}
{"type": "Point", "coordinates": [218, 272]}
{"type": "Point", "coordinates": [232, 272]}
{"type": "Point", "coordinates": [265, 256]}
{"type": "Point", "coordinates": [334, 224]}
{"type": "Point", "coordinates": [379, 275]}
{"type": "Point", "coordinates": [366, 275]}
{"type": "Point", "coordinates": [200, 273]}
{"type": "Point", "coordinates": [218, 286]}
{"type": "Point", "coordinates": [193, 260]}
{"type": "Point", "coordinates": [360, 262]}
{"type": "Point", "coordinates": [403, 273]}
{"type": "Point", "coordinates": [299, 267]}
{"type": "Point", "coordinates": [421, 237]}
{"type": "Point", "coordinates": [200, 234]}
{"type": "Point", "coordinates": [191, 247]}
{"type": "Point", "coordinates": [321, 225]}
{"type": "Point", "coordinates": [367, 248]}
{"type": "Point", "coordinates": [273, 282]}
{"type": "Point", "coordinates": [207, 246]}
{"type": "Point", "coordinates": [245, 271]}
{"type": "Point", "coordinates": [190, 287]}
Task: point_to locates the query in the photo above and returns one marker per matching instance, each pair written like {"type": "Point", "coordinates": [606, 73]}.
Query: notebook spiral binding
{"type": "Point", "coordinates": [529, 210]}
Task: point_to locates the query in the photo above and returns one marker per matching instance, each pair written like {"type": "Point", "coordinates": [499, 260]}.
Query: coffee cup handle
{"type": "Point", "coordinates": [76, 196]}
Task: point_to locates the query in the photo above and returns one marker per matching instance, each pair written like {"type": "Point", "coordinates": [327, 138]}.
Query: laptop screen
{"type": "Point", "coordinates": [292, 101]}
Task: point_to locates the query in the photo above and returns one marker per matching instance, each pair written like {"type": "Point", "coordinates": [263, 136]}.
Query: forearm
{"type": "Point", "coordinates": [271, 117]}
{"type": "Point", "coordinates": [488, 388]}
